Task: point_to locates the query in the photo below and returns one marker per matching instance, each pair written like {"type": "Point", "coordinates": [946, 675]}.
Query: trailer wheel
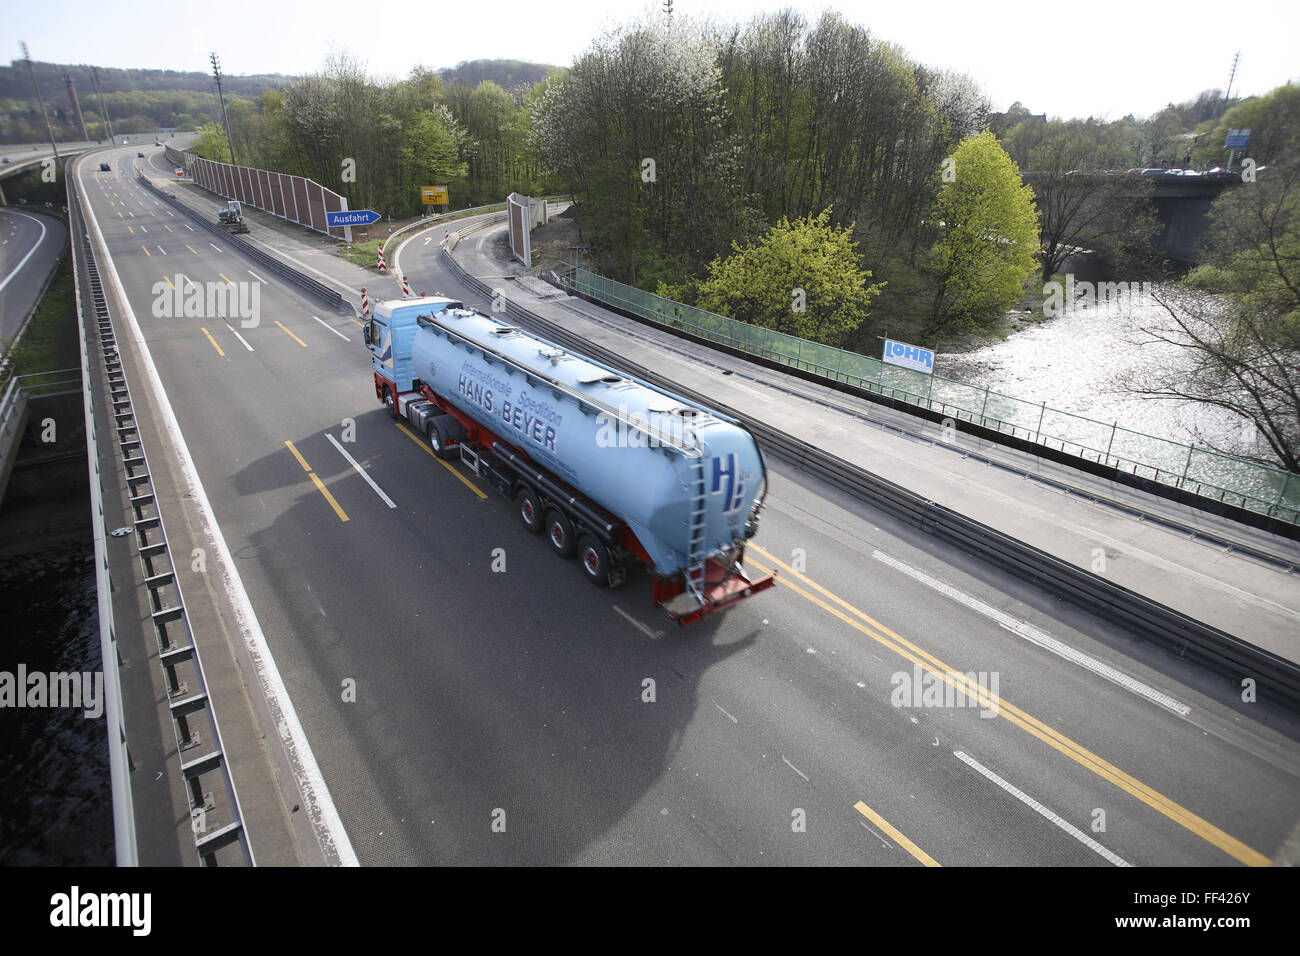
{"type": "Point", "coordinates": [390, 403]}
{"type": "Point", "coordinates": [594, 558]}
{"type": "Point", "coordinates": [530, 510]}
{"type": "Point", "coordinates": [559, 531]}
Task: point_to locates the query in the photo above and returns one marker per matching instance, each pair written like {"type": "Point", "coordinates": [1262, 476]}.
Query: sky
{"type": "Point", "coordinates": [1102, 58]}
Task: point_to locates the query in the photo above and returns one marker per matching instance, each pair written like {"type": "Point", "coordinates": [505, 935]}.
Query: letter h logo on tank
{"type": "Point", "coordinates": [735, 492]}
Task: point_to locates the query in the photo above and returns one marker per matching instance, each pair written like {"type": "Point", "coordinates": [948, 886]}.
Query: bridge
{"type": "Point", "coordinates": [352, 675]}
{"type": "Point", "coordinates": [1182, 200]}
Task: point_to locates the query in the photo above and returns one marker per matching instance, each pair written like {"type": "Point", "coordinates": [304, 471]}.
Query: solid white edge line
{"type": "Point", "coordinates": [1040, 638]}
{"type": "Point", "coordinates": [215, 246]}
{"type": "Point", "coordinates": [331, 328]}
{"type": "Point", "coordinates": [31, 252]}
{"type": "Point", "coordinates": [361, 471]}
{"type": "Point", "coordinates": [317, 803]}
{"type": "Point", "coordinates": [1037, 807]}
{"type": "Point", "coordinates": [257, 277]}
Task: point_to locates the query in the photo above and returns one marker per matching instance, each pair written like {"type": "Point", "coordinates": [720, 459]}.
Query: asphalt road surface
{"type": "Point", "coordinates": [523, 716]}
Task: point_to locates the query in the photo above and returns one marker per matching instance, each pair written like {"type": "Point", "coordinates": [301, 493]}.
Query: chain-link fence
{"type": "Point", "coordinates": [1260, 488]}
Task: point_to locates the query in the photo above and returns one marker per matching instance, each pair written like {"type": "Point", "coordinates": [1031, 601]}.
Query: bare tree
{"type": "Point", "coordinates": [1232, 358]}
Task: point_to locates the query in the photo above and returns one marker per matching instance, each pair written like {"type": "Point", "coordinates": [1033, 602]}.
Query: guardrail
{"type": "Point", "coordinates": [1235, 482]}
{"type": "Point", "coordinates": [1277, 679]}
{"type": "Point", "coordinates": [126, 849]}
{"type": "Point", "coordinates": [321, 292]}
{"type": "Point", "coordinates": [178, 653]}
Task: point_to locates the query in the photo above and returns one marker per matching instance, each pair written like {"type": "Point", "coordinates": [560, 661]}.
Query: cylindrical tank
{"type": "Point", "coordinates": [639, 452]}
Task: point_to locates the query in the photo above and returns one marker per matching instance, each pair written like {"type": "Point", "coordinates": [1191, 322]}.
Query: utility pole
{"type": "Point", "coordinates": [216, 72]}
{"type": "Point", "coordinates": [76, 105]}
{"type": "Point", "coordinates": [49, 129]}
{"type": "Point", "coordinates": [103, 107]}
{"type": "Point", "coordinates": [1227, 97]}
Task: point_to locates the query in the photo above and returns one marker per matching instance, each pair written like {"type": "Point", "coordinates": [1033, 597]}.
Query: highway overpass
{"type": "Point", "coordinates": [388, 693]}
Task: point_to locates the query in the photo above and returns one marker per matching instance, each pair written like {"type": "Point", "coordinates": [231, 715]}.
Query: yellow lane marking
{"type": "Point", "coordinates": [227, 278]}
{"type": "Point", "coordinates": [290, 334]}
{"type": "Point", "coordinates": [1053, 738]}
{"type": "Point", "coordinates": [213, 341]}
{"type": "Point", "coordinates": [169, 282]}
{"type": "Point", "coordinates": [191, 248]}
{"type": "Point", "coordinates": [145, 251]}
{"type": "Point", "coordinates": [901, 840]}
{"type": "Point", "coordinates": [362, 324]}
{"type": "Point", "coordinates": [302, 461]}
{"type": "Point", "coordinates": [419, 441]}
{"type": "Point", "coordinates": [130, 230]}
{"type": "Point", "coordinates": [120, 216]}
{"type": "Point", "coordinates": [320, 485]}
{"type": "Point", "coordinates": [167, 227]}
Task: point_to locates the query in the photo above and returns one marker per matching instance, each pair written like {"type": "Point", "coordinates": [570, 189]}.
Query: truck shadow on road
{"type": "Point", "coordinates": [469, 696]}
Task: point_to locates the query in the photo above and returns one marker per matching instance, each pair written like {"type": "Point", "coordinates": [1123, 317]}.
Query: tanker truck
{"type": "Point", "coordinates": [612, 470]}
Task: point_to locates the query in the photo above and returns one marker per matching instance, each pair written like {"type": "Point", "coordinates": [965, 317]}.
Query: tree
{"type": "Point", "coordinates": [803, 278]}
{"type": "Point", "coordinates": [1236, 318]}
{"type": "Point", "coordinates": [636, 129]}
{"type": "Point", "coordinates": [1274, 124]}
{"type": "Point", "coordinates": [1082, 207]}
{"type": "Point", "coordinates": [987, 234]}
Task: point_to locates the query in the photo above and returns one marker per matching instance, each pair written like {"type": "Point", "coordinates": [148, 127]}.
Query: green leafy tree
{"type": "Point", "coordinates": [987, 234]}
{"type": "Point", "coordinates": [803, 278]}
{"type": "Point", "coordinates": [211, 144]}
{"type": "Point", "coordinates": [1274, 124]}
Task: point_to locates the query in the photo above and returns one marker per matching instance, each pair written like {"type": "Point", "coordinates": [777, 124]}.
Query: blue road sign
{"type": "Point", "coordinates": [1236, 139]}
{"type": "Point", "coordinates": [352, 217]}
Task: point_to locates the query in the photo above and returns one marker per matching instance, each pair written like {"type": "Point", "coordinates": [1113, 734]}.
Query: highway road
{"type": "Point", "coordinates": [521, 716]}
{"type": "Point", "coordinates": [29, 246]}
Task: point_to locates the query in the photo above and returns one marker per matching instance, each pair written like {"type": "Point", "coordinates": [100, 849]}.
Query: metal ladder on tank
{"type": "Point", "coordinates": [695, 555]}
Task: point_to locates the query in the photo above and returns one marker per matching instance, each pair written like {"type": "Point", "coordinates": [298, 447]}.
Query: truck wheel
{"type": "Point", "coordinates": [559, 531]}
{"type": "Point", "coordinates": [437, 437]}
{"type": "Point", "coordinates": [594, 558]}
{"type": "Point", "coordinates": [390, 403]}
{"type": "Point", "coordinates": [530, 510]}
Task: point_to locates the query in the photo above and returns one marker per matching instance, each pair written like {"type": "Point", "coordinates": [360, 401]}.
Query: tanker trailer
{"type": "Point", "coordinates": [610, 468]}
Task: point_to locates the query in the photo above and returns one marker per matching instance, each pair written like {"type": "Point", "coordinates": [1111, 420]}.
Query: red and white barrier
{"type": "Point", "coordinates": [365, 303]}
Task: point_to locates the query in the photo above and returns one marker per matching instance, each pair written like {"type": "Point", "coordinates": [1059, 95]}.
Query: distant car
{"type": "Point", "coordinates": [139, 155]}
{"type": "Point", "coordinates": [6, 160]}
{"type": "Point", "coordinates": [179, 171]}
{"type": "Point", "coordinates": [157, 142]}
{"type": "Point", "coordinates": [105, 168]}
